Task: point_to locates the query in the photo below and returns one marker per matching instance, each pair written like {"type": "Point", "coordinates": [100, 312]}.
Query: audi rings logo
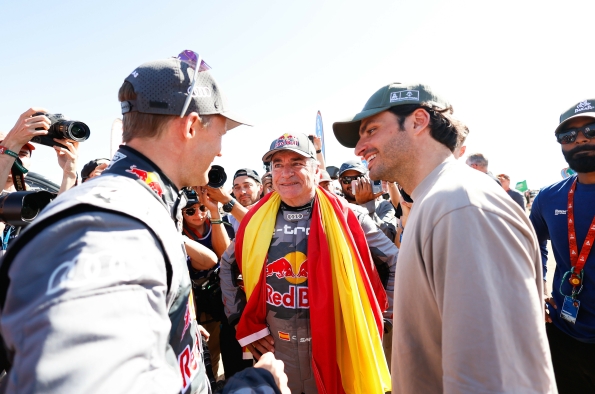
{"type": "Point", "coordinates": [294, 216]}
{"type": "Point", "coordinates": [201, 91]}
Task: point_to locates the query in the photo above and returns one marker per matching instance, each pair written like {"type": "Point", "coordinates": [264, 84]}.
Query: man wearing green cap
{"type": "Point", "coordinates": [455, 328]}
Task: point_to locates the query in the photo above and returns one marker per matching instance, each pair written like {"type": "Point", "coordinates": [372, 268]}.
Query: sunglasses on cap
{"type": "Point", "coordinates": [346, 180]}
{"type": "Point", "coordinates": [192, 210]}
{"type": "Point", "coordinates": [569, 136]}
{"type": "Point", "coordinates": [192, 58]}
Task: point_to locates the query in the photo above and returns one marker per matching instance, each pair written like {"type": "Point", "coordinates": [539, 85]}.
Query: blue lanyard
{"type": "Point", "coordinates": [6, 238]}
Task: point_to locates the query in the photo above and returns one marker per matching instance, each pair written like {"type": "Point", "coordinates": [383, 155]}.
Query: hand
{"type": "Point", "coordinates": [24, 129]}
{"type": "Point", "coordinates": [267, 182]}
{"type": "Point", "coordinates": [316, 141]}
{"type": "Point", "coordinates": [550, 301]}
{"type": "Point", "coordinates": [212, 206]}
{"type": "Point", "coordinates": [262, 346]}
{"type": "Point", "coordinates": [203, 331]}
{"type": "Point", "coordinates": [363, 190]}
{"type": "Point", "coordinates": [218, 194]}
{"type": "Point", "coordinates": [67, 158]}
{"type": "Point", "coordinates": [276, 368]}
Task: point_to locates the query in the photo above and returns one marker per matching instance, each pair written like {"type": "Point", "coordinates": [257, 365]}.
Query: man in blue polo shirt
{"type": "Point", "coordinates": [565, 213]}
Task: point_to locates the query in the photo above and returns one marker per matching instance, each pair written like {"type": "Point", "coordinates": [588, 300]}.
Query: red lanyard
{"type": "Point", "coordinates": [577, 260]}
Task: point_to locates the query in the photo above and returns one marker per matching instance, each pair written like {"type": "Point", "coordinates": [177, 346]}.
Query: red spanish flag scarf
{"type": "Point", "coordinates": [345, 292]}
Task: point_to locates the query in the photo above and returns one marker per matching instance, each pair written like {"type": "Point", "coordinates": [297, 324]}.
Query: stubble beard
{"type": "Point", "coordinates": [394, 163]}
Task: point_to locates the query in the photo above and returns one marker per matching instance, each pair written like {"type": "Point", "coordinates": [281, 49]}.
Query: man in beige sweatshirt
{"type": "Point", "coordinates": [468, 310]}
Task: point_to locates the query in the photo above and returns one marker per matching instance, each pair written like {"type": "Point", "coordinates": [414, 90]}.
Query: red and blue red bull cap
{"type": "Point", "coordinates": [297, 142]}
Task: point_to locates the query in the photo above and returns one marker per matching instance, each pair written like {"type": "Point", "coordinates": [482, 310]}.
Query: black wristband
{"type": "Point", "coordinates": [228, 207]}
{"type": "Point", "coordinates": [319, 151]}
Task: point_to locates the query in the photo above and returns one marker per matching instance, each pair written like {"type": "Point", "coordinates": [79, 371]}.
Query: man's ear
{"type": "Point", "coordinates": [192, 125]}
{"type": "Point", "coordinates": [421, 120]}
{"type": "Point", "coordinates": [463, 149]}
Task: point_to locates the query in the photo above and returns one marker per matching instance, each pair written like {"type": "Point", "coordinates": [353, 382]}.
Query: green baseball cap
{"type": "Point", "coordinates": [584, 108]}
{"type": "Point", "coordinates": [391, 95]}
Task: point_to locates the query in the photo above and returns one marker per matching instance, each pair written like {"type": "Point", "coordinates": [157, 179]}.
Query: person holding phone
{"type": "Point", "coordinates": [358, 189]}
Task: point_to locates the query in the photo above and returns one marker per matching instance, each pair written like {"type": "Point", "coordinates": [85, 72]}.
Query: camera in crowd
{"type": "Point", "coordinates": [217, 176]}
{"type": "Point", "coordinates": [20, 208]}
{"type": "Point", "coordinates": [62, 128]}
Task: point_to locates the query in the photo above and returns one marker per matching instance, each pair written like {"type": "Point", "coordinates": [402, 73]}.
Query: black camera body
{"type": "Point", "coordinates": [217, 177]}
{"type": "Point", "coordinates": [62, 128]}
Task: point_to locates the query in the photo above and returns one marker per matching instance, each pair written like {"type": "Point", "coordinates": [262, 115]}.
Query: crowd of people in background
{"type": "Point", "coordinates": [401, 269]}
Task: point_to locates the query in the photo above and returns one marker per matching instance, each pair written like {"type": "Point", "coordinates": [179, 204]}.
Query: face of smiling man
{"type": "Point", "coordinates": [294, 177]}
{"type": "Point", "coordinates": [384, 145]}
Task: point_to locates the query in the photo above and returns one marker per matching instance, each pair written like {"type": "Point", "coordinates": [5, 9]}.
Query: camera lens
{"type": "Point", "coordinates": [30, 208]}
{"type": "Point", "coordinates": [217, 176]}
{"type": "Point", "coordinates": [78, 131]}
{"type": "Point", "coordinates": [29, 212]}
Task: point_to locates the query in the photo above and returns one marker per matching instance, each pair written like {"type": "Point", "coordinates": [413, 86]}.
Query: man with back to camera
{"type": "Point", "coordinates": [286, 302]}
{"type": "Point", "coordinates": [455, 329]}
{"type": "Point", "coordinates": [565, 214]}
{"type": "Point", "coordinates": [514, 194]}
{"type": "Point", "coordinates": [101, 275]}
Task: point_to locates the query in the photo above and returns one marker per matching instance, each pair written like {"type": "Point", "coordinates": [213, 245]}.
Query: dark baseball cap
{"type": "Point", "coordinates": [162, 86]}
{"type": "Point", "coordinates": [391, 95]}
{"type": "Point", "coordinates": [247, 172]}
{"type": "Point", "coordinates": [584, 108]}
{"type": "Point", "coordinates": [297, 142]}
{"type": "Point", "coordinates": [356, 165]}
{"type": "Point", "coordinates": [91, 166]}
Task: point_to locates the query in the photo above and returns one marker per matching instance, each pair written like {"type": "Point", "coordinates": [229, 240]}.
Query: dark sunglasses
{"type": "Point", "coordinates": [569, 136]}
{"type": "Point", "coordinates": [346, 180]}
{"type": "Point", "coordinates": [192, 210]}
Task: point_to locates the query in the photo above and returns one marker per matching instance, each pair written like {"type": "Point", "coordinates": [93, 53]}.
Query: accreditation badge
{"type": "Point", "coordinates": [570, 309]}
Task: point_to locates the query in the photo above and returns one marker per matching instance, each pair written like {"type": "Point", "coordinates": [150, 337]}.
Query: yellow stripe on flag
{"type": "Point", "coordinates": [257, 240]}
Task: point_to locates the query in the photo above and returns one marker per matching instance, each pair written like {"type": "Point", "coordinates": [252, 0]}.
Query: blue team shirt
{"type": "Point", "coordinates": [548, 215]}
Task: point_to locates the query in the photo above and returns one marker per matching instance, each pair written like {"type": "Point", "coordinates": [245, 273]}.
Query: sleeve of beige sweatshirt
{"type": "Point", "coordinates": [486, 277]}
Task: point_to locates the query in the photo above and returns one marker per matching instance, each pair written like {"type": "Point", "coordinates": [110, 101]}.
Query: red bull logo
{"type": "Point", "coordinates": [286, 139]}
{"type": "Point", "coordinates": [293, 267]}
{"type": "Point", "coordinates": [150, 178]}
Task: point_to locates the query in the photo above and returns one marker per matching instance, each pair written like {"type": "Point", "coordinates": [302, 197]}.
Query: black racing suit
{"type": "Point", "coordinates": [288, 313]}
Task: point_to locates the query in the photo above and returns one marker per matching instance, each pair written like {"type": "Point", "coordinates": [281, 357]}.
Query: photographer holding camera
{"type": "Point", "coordinates": [15, 158]}
{"type": "Point", "coordinates": [33, 123]}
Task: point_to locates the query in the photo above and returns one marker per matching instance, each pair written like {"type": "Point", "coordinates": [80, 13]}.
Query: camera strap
{"type": "Point", "coordinates": [18, 170]}
{"type": "Point", "coordinates": [18, 180]}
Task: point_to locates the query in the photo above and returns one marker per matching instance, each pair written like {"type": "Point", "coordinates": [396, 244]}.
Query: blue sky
{"type": "Point", "coordinates": [509, 67]}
